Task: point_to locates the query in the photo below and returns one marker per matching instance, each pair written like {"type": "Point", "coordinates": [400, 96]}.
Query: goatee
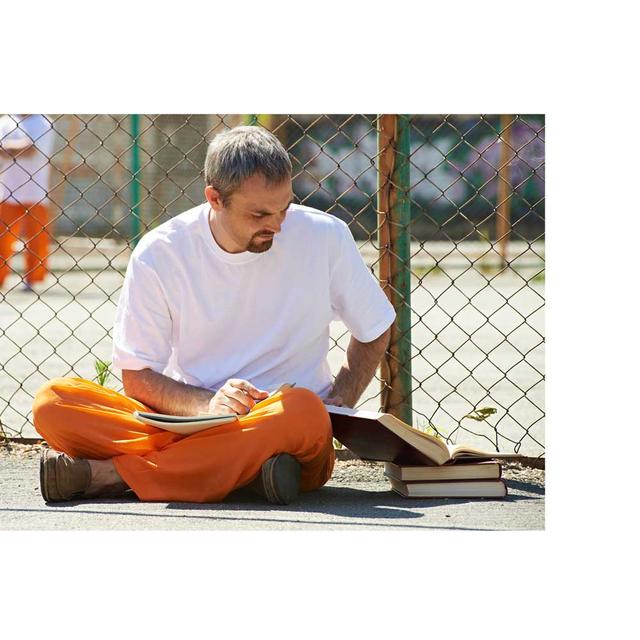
{"type": "Point", "coordinates": [259, 247]}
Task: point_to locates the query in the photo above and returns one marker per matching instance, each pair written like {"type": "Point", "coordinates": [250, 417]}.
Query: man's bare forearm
{"type": "Point", "coordinates": [358, 369]}
{"type": "Point", "coordinates": [15, 149]}
{"type": "Point", "coordinates": [164, 395]}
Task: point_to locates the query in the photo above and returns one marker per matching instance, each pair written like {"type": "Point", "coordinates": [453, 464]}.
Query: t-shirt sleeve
{"type": "Point", "coordinates": [143, 326]}
{"type": "Point", "coordinates": [356, 296]}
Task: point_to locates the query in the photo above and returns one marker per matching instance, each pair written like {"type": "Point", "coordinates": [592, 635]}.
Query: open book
{"type": "Point", "coordinates": [381, 436]}
{"type": "Point", "coordinates": [186, 425]}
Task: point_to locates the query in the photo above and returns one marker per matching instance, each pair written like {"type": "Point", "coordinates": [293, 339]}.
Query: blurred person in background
{"type": "Point", "coordinates": [26, 143]}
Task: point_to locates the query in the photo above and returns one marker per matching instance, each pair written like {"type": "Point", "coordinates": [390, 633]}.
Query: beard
{"type": "Point", "coordinates": [259, 245]}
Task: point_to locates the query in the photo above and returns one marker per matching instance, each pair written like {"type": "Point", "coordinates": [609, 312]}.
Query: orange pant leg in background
{"type": "Point", "coordinates": [10, 224]}
{"type": "Point", "coordinates": [35, 231]}
{"type": "Point", "coordinates": [31, 223]}
{"type": "Point", "coordinates": [86, 420]}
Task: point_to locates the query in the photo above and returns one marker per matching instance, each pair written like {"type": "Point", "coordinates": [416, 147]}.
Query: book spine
{"type": "Point", "coordinates": [483, 489]}
{"type": "Point", "coordinates": [435, 475]}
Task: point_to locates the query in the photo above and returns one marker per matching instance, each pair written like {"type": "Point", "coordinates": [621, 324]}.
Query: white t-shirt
{"type": "Point", "coordinates": [200, 315]}
{"type": "Point", "coordinates": [25, 179]}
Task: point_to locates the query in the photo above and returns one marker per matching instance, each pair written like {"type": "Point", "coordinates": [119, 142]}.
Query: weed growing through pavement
{"type": "Point", "coordinates": [102, 370]}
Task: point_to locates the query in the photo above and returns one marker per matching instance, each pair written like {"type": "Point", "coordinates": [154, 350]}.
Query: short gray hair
{"type": "Point", "coordinates": [237, 154]}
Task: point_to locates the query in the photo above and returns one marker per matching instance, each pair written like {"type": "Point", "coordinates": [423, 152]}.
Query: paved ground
{"type": "Point", "coordinates": [356, 498]}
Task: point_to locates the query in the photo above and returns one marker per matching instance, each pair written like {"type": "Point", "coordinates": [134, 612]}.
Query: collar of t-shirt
{"type": "Point", "coordinates": [216, 250]}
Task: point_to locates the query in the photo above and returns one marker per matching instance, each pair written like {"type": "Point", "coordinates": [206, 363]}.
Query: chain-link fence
{"type": "Point", "coordinates": [452, 221]}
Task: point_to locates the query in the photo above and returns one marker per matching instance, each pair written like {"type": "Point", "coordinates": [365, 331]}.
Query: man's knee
{"type": "Point", "coordinates": [306, 401]}
{"type": "Point", "coordinates": [310, 408]}
{"type": "Point", "coordinates": [46, 404]}
{"type": "Point", "coordinates": [51, 390]}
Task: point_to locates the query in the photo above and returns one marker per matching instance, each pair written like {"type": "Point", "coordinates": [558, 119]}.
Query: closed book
{"type": "Point", "coordinates": [471, 471]}
{"type": "Point", "coordinates": [451, 489]}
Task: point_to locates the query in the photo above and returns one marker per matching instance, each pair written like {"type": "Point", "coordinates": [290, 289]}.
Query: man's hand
{"type": "Point", "coordinates": [164, 395]}
{"type": "Point", "coordinates": [236, 396]}
{"type": "Point", "coordinates": [336, 401]}
{"type": "Point", "coordinates": [13, 148]}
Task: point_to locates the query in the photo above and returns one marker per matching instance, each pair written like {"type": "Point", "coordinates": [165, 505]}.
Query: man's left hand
{"type": "Point", "coordinates": [336, 401]}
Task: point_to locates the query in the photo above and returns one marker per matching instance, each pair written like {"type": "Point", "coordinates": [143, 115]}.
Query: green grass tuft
{"type": "Point", "coordinates": [102, 371]}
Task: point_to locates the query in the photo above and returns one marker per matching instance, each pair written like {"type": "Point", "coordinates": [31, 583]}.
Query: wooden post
{"type": "Point", "coordinates": [503, 218]}
{"type": "Point", "coordinates": [394, 216]}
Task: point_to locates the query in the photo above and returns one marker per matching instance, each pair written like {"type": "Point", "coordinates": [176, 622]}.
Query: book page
{"type": "Point", "coordinates": [356, 413]}
{"type": "Point", "coordinates": [163, 417]}
{"type": "Point", "coordinates": [462, 450]}
{"type": "Point", "coordinates": [186, 427]}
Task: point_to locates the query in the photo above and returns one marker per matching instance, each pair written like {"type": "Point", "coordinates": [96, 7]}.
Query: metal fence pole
{"type": "Point", "coordinates": [503, 221]}
{"type": "Point", "coordinates": [394, 216]}
{"type": "Point", "coordinates": [135, 182]}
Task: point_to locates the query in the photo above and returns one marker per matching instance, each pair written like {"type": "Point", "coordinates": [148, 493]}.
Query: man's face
{"type": "Point", "coordinates": [253, 215]}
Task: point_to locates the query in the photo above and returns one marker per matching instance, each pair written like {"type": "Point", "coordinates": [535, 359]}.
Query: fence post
{"type": "Point", "coordinates": [503, 221]}
{"type": "Point", "coordinates": [394, 216]}
{"type": "Point", "coordinates": [135, 182]}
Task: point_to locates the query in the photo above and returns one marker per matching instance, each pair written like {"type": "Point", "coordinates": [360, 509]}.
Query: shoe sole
{"type": "Point", "coordinates": [49, 480]}
{"type": "Point", "coordinates": [44, 476]}
{"type": "Point", "coordinates": [282, 491]}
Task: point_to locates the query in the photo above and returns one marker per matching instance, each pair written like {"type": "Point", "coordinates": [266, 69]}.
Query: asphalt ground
{"type": "Point", "coordinates": [356, 498]}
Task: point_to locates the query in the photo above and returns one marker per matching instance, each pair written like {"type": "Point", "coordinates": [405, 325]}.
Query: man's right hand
{"type": "Point", "coordinates": [236, 396]}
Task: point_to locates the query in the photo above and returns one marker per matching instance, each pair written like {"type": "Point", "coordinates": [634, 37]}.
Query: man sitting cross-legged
{"type": "Point", "coordinates": [220, 305]}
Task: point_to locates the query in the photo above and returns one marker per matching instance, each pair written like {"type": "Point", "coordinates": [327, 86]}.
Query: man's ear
{"type": "Point", "coordinates": [213, 197]}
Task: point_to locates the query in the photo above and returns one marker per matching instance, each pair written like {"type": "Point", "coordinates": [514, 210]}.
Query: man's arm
{"type": "Point", "coordinates": [17, 148]}
{"type": "Point", "coordinates": [165, 395]}
{"type": "Point", "coordinates": [360, 365]}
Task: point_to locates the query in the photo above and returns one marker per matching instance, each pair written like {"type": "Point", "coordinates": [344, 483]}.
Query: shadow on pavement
{"type": "Point", "coordinates": [526, 486]}
{"type": "Point", "coordinates": [343, 503]}
{"type": "Point", "coordinates": [346, 502]}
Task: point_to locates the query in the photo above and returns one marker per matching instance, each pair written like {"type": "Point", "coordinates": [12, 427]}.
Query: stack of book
{"type": "Point", "coordinates": [459, 480]}
{"type": "Point", "coordinates": [417, 464]}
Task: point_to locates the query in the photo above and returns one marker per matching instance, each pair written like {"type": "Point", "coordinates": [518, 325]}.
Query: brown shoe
{"type": "Point", "coordinates": [63, 477]}
{"type": "Point", "coordinates": [279, 479]}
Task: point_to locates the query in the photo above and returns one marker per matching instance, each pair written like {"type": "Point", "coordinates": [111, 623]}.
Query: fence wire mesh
{"type": "Point", "coordinates": [475, 267]}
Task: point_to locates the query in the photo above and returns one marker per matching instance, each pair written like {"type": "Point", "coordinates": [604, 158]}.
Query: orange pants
{"type": "Point", "coordinates": [32, 221]}
{"type": "Point", "coordinates": [86, 420]}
